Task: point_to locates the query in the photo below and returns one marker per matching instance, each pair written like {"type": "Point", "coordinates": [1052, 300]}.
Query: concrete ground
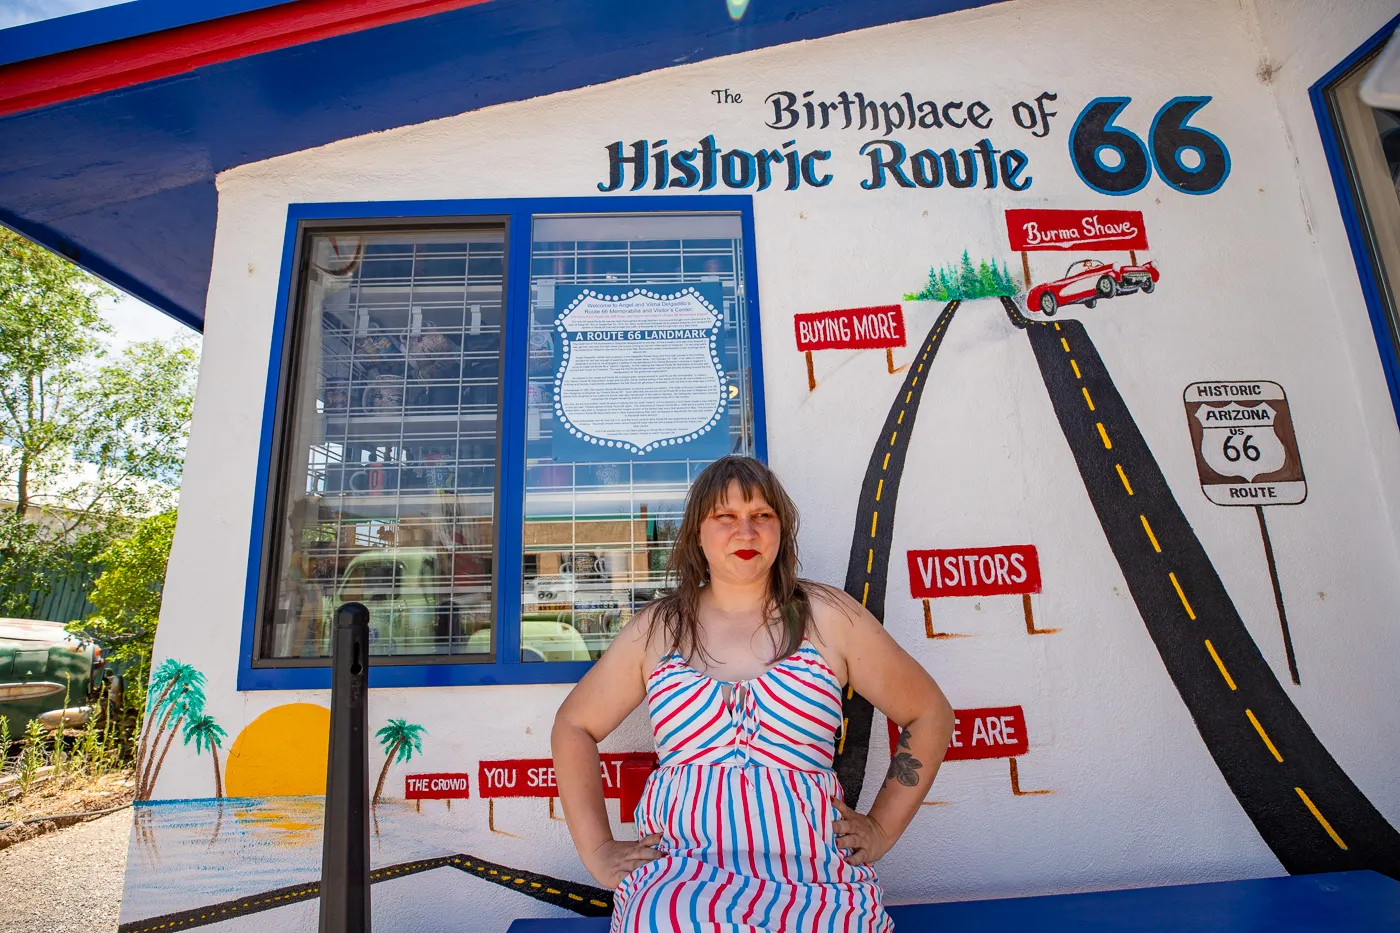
{"type": "Point", "coordinates": [69, 881]}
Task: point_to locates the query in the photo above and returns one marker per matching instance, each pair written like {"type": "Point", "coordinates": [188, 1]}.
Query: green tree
{"type": "Point", "coordinates": [400, 740]}
{"type": "Point", "coordinates": [88, 439]}
{"type": "Point", "coordinates": [207, 733]}
{"type": "Point", "coordinates": [967, 278]}
{"type": "Point", "coordinates": [127, 594]}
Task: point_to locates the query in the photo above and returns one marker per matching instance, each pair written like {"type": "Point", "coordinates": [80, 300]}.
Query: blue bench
{"type": "Point", "coordinates": [1353, 901]}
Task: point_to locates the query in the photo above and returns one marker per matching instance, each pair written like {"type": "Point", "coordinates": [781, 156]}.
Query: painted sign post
{"type": "Point", "coordinates": [534, 777]}
{"type": "Point", "coordinates": [874, 328]}
{"type": "Point", "coordinates": [989, 732]}
{"type": "Point", "coordinates": [1247, 454]}
{"type": "Point", "coordinates": [440, 786]}
{"type": "Point", "coordinates": [1089, 280]}
{"type": "Point", "coordinates": [978, 571]}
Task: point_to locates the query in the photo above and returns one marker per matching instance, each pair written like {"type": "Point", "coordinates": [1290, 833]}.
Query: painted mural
{"type": "Point", "coordinates": [985, 304]}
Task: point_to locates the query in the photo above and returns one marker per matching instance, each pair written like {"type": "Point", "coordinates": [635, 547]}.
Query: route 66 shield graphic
{"type": "Point", "coordinates": [1246, 452]}
{"type": "Point", "coordinates": [640, 371]}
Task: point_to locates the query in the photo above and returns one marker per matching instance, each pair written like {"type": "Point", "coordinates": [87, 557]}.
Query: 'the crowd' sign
{"type": "Point", "coordinates": [437, 786]}
{"type": "Point", "coordinates": [975, 571]}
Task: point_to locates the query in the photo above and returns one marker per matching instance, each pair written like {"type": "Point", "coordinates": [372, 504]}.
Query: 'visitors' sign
{"type": "Point", "coordinates": [975, 571]}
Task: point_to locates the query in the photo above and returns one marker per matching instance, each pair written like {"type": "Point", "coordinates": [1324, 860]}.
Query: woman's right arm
{"type": "Point", "coordinates": [606, 695]}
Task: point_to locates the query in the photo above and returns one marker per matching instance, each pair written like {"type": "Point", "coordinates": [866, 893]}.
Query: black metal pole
{"type": "Point", "coordinates": [1278, 596]}
{"type": "Point", "coordinates": [345, 840]}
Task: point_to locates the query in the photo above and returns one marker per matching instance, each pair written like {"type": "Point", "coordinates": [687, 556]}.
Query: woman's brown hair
{"type": "Point", "coordinates": [687, 570]}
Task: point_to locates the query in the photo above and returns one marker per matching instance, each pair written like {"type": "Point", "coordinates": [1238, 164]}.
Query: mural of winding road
{"type": "Point", "coordinates": [579, 898]}
{"type": "Point", "coordinates": [868, 568]}
{"type": "Point", "coordinates": [1305, 807]}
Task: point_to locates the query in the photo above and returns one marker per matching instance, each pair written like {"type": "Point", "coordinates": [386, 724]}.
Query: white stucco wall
{"type": "Point", "coordinates": [1257, 282]}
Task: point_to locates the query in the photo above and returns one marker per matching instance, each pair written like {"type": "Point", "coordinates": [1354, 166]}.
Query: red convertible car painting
{"type": "Point", "coordinates": [1088, 280]}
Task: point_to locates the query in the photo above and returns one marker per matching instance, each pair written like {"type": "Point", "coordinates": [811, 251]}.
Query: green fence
{"type": "Point", "coordinates": [62, 597]}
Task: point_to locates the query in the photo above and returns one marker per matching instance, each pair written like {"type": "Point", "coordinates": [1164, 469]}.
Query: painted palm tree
{"type": "Point", "coordinates": [400, 740]}
{"type": "Point", "coordinates": [178, 691]}
{"type": "Point", "coordinates": [206, 733]}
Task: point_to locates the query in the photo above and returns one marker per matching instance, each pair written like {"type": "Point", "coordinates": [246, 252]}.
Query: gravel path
{"type": "Point", "coordinates": [68, 881]}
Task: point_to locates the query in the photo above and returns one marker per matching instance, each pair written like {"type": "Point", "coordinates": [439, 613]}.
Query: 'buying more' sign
{"type": "Point", "coordinates": [534, 777]}
{"type": "Point", "coordinates": [874, 328]}
{"type": "Point", "coordinates": [991, 732]}
{"type": "Point", "coordinates": [1035, 229]}
{"type": "Point", "coordinates": [437, 787]}
{"type": "Point", "coordinates": [974, 571]}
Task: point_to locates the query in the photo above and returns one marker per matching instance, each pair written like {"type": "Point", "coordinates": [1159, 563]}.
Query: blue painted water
{"type": "Point", "coordinates": [193, 853]}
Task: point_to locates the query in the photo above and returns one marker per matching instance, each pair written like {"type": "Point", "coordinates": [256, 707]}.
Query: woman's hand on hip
{"type": "Point", "coordinates": [859, 837]}
{"type": "Point", "coordinates": [613, 860]}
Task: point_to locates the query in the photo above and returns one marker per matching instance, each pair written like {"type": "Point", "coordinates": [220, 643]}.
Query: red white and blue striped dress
{"type": "Point", "coordinates": [742, 801]}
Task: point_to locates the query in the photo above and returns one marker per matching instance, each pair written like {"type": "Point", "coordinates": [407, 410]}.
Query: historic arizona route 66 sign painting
{"type": "Point", "coordinates": [1246, 452]}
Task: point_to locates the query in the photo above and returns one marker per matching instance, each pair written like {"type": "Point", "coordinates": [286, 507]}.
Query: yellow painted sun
{"type": "Point", "coordinates": [281, 753]}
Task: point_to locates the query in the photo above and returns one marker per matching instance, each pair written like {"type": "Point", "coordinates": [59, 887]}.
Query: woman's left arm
{"type": "Point", "coordinates": [881, 671]}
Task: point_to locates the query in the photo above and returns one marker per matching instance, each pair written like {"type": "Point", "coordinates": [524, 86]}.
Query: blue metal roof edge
{"type": "Point", "coordinates": [112, 23]}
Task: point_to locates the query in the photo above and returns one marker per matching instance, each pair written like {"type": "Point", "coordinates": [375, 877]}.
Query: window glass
{"type": "Point", "coordinates": [389, 463]}
{"type": "Point", "coordinates": [648, 314]}
{"type": "Point", "coordinates": [1371, 144]}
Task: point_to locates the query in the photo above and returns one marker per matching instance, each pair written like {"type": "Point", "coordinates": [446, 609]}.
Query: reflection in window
{"type": "Point", "coordinates": [1371, 145]}
{"type": "Point", "coordinates": [597, 534]}
{"type": "Point", "coordinates": [388, 483]}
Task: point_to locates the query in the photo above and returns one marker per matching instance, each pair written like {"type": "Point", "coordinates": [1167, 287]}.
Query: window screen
{"type": "Point", "coordinates": [388, 482]}
{"type": "Point", "coordinates": [605, 485]}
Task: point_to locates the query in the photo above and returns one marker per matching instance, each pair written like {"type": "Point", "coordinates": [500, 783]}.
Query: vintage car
{"type": "Point", "coordinates": [46, 674]}
{"type": "Point", "coordinates": [1088, 280]}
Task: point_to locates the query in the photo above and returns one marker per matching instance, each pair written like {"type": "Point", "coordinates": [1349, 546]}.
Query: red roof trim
{"type": "Point", "coordinates": [114, 65]}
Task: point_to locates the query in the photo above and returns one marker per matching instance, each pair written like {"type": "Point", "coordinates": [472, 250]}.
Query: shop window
{"type": "Point", "coordinates": [1367, 162]}
{"type": "Point", "coordinates": [485, 431]}
{"type": "Point", "coordinates": [599, 524]}
{"type": "Point", "coordinates": [388, 490]}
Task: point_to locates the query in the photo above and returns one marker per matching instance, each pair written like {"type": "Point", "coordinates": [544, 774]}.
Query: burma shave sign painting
{"type": "Point", "coordinates": [1037, 229]}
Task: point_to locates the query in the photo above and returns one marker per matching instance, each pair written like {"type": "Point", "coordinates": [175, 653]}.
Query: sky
{"type": "Point", "coordinates": [132, 320]}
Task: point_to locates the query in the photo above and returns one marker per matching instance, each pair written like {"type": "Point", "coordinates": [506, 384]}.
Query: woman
{"type": "Point", "coordinates": [742, 668]}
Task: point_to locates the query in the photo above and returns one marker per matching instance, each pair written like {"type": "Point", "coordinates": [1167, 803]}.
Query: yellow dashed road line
{"type": "Point", "coordinates": [900, 419]}
{"type": "Point", "coordinates": [1064, 343]}
{"type": "Point", "coordinates": [866, 594]}
{"type": "Point", "coordinates": [874, 518]}
{"type": "Point", "coordinates": [1124, 477]}
{"type": "Point", "coordinates": [1220, 664]}
{"type": "Point", "coordinates": [870, 560]}
{"type": "Point", "coordinates": [892, 438]}
{"type": "Point", "coordinates": [1107, 444]}
{"type": "Point", "coordinates": [1321, 819]}
{"type": "Point", "coordinates": [886, 465]}
{"type": "Point", "coordinates": [1150, 536]}
{"type": "Point", "coordinates": [1263, 735]}
{"type": "Point", "coordinates": [1087, 398]}
{"type": "Point", "coordinates": [1077, 373]}
{"type": "Point", "coordinates": [879, 489]}
{"type": "Point", "coordinates": [1189, 611]}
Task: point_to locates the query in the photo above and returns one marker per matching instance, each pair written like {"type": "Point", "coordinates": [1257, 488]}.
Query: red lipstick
{"type": "Point", "coordinates": [745, 554]}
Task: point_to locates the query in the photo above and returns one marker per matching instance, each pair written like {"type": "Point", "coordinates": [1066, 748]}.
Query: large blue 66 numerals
{"type": "Point", "coordinates": [1169, 139]}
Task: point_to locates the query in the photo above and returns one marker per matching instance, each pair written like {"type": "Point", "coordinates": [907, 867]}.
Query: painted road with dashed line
{"type": "Point", "coordinates": [868, 568]}
{"type": "Point", "coordinates": [1305, 807]}
{"type": "Point", "coordinates": [579, 898]}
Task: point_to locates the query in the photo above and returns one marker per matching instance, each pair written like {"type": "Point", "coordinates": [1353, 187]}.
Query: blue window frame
{"type": "Point", "coordinates": [397, 241]}
{"type": "Point", "coordinates": [1347, 163]}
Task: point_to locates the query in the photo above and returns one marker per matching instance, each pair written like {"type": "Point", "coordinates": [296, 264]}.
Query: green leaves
{"type": "Point", "coordinates": [205, 732]}
{"type": "Point", "coordinates": [401, 739]}
{"type": "Point", "coordinates": [127, 596]}
{"type": "Point", "coordinates": [964, 281]}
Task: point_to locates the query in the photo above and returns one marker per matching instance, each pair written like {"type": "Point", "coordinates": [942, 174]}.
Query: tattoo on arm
{"type": "Point", "coordinates": [904, 767]}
